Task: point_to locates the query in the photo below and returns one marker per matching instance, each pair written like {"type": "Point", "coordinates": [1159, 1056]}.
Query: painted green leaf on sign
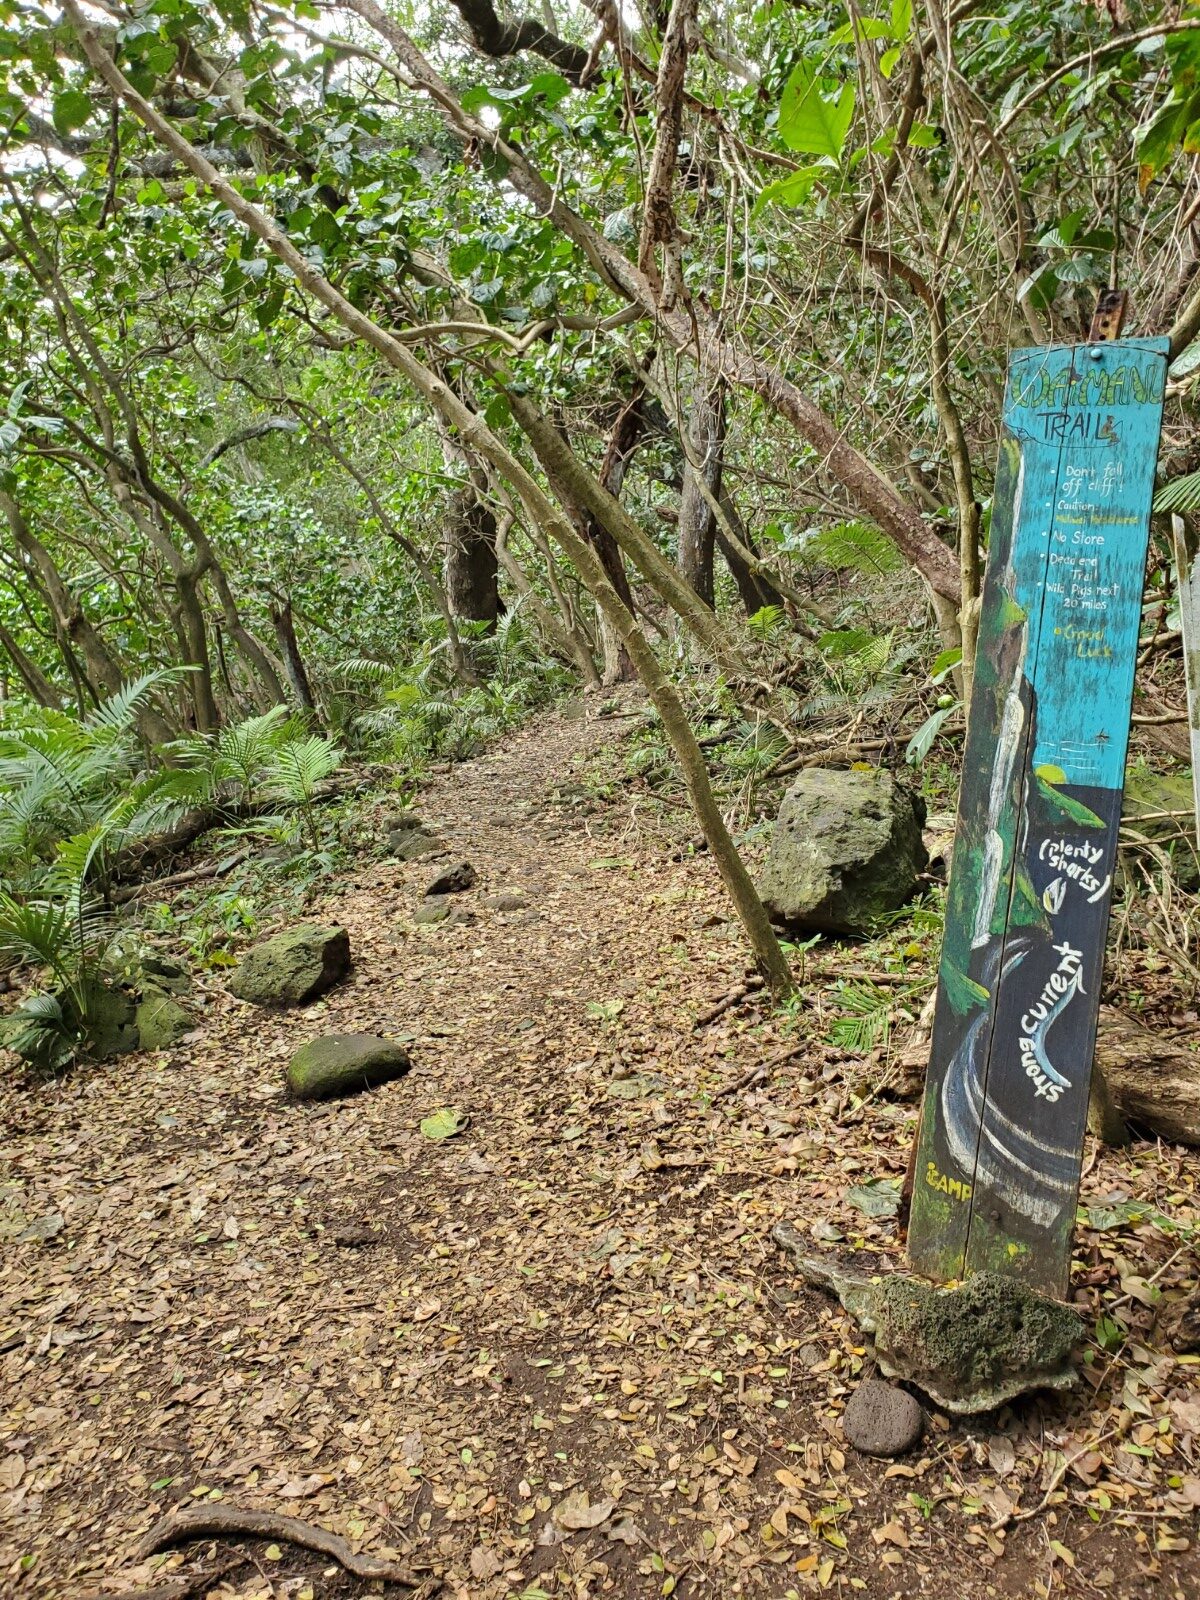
{"type": "Point", "coordinates": [1066, 806]}
{"type": "Point", "coordinates": [815, 114]}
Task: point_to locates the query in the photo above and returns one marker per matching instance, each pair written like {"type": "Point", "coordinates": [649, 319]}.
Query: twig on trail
{"type": "Point", "coordinates": [1056, 1478]}
{"type": "Point", "coordinates": [226, 1522]}
{"type": "Point", "coordinates": [756, 1074]}
{"type": "Point", "coordinates": [739, 992]}
{"type": "Point", "coordinates": [860, 974]}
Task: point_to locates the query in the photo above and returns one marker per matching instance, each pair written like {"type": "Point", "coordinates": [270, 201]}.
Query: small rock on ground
{"type": "Point", "coordinates": [294, 966]}
{"type": "Point", "coordinates": [434, 909]}
{"type": "Point", "coordinates": [454, 879]}
{"type": "Point", "coordinates": [881, 1420]}
{"type": "Point", "coordinates": [342, 1063]}
{"type": "Point", "coordinates": [505, 901]}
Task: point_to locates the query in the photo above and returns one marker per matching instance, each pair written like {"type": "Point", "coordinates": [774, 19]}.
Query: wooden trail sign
{"type": "Point", "coordinates": [1001, 1135]}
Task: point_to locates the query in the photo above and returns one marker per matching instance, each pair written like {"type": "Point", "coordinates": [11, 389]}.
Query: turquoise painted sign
{"type": "Point", "coordinates": [997, 1163]}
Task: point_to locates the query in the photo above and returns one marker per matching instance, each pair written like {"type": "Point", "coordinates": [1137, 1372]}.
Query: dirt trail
{"type": "Point", "coordinates": [430, 1347]}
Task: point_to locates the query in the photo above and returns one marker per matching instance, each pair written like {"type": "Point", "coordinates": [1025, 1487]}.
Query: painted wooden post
{"type": "Point", "coordinates": [1187, 577]}
{"type": "Point", "coordinates": [1001, 1136]}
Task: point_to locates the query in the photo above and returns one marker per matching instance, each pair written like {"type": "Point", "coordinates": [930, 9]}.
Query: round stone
{"type": "Point", "coordinates": [881, 1420]}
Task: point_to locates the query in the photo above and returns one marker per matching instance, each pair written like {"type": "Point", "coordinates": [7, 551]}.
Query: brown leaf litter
{"type": "Point", "coordinates": [557, 1354]}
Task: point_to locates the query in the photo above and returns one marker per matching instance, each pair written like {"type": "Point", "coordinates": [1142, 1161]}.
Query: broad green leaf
{"type": "Point", "coordinates": [945, 663]}
{"type": "Point", "coordinates": [793, 190]}
{"type": "Point", "coordinates": [444, 1124]}
{"type": "Point", "coordinates": [921, 743]}
{"type": "Point", "coordinates": [922, 137]}
{"type": "Point", "coordinates": [809, 120]}
{"type": "Point", "coordinates": [72, 108]}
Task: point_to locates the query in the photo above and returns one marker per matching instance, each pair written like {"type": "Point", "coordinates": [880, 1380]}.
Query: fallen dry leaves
{"type": "Point", "coordinates": [556, 1354]}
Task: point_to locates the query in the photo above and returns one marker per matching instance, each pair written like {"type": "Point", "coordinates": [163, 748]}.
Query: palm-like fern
{"type": "Point", "coordinates": [299, 766]}
{"type": "Point", "coordinates": [74, 796]}
{"type": "Point", "coordinates": [1181, 494]}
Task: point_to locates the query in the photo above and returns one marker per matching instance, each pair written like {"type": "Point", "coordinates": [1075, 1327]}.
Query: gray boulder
{"type": "Point", "coordinates": [408, 838]}
{"type": "Point", "coordinates": [846, 848]}
{"type": "Point", "coordinates": [412, 846]}
{"type": "Point", "coordinates": [293, 967]}
{"type": "Point", "coordinates": [506, 900]}
{"type": "Point", "coordinates": [343, 1063]}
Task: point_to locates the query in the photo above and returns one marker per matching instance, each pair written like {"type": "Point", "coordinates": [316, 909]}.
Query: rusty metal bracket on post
{"type": "Point", "coordinates": [1110, 316]}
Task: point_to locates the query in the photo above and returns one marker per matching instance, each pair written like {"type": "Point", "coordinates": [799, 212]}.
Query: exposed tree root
{"type": "Point", "coordinates": [230, 1522]}
{"type": "Point", "coordinates": [752, 985]}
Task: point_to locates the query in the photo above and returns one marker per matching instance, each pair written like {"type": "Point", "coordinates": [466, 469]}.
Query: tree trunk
{"type": "Point", "coordinates": [705, 441]}
{"type": "Point", "coordinates": [293, 661]}
{"type": "Point", "coordinates": [622, 442]}
{"type": "Point", "coordinates": [579, 487]}
{"type": "Point", "coordinates": [38, 686]}
{"type": "Point", "coordinates": [563, 639]}
{"type": "Point", "coordinates": [471, 565]}
{"type": "Point", "coordinates": [458, 659]}
{"type": "Point", "coordinates": [755, 588]}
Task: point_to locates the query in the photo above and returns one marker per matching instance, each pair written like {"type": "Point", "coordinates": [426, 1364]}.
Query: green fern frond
{"type": "Point", "coordinates": [854, 546]}
{"type": "Point", "coordinates": [37, 933]}
{"type": "Point", "coordinates": [300, 765]}
{"type": "Point", "coordinates": [867, 1019]}
{"type": "Point", "coordinates": [118, 714]}
{"type": "Point", "coordinates": [1181, 494]}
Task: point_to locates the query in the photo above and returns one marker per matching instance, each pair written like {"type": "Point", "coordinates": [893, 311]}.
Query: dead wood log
{"type": "Point", "coordinates": [1140, 1078]}
{"type": "Point", "coordinates": [741, 991]}
{"type": "Point", "coordinates": [229, 1522]}
{"type": "Point", "coordinates": [152, 851]}
{"type": "Point", "coordinates": [1153, 1082]}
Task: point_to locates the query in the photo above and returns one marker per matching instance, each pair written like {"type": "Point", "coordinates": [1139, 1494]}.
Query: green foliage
{"type": "Point", "coordinates": [1181, 494]}
{"type": "Point", "coordinates": [853, 546]}
{"type": "Point", "coordinates": [425, 715]}
{"type": "Point", "coordinates": [866, 1020]}
{"type": "Point", "coordinates": [815, 113]}
{"type": "Point", "coordinates": [75, 796]}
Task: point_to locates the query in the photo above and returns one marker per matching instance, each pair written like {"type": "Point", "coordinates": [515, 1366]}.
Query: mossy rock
{"type": "Point", "coordinates": [111, 1025]}
{"type": "Point", "coordinates": [161, 1020]}
{"type": "Point", "coordinates": [846, 849]}
{"type": "Point", "coordinates": [344, 1063]}
{"type": "Point", "coordinates": [970, 1349]}
{"type": "Point", "coordinates": [293, 967]}
{"type": "Point", "coordinates": [1147, 795]}
{"type": "Point", "coordinates": [162, 972]}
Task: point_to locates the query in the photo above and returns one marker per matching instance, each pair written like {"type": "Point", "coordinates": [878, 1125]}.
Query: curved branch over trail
{"type": "Point", "coordinates": [691, 330]}
{"type": "Point", "coordinates": [498, 39]}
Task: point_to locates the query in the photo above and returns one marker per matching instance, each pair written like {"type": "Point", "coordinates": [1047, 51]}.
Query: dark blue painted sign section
{"type": "Point", "coordinates": [1001, 1137]}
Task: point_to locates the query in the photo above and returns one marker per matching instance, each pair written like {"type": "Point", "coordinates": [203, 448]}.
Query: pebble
{"type": "Point", "coordinates": [882, 1420]}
